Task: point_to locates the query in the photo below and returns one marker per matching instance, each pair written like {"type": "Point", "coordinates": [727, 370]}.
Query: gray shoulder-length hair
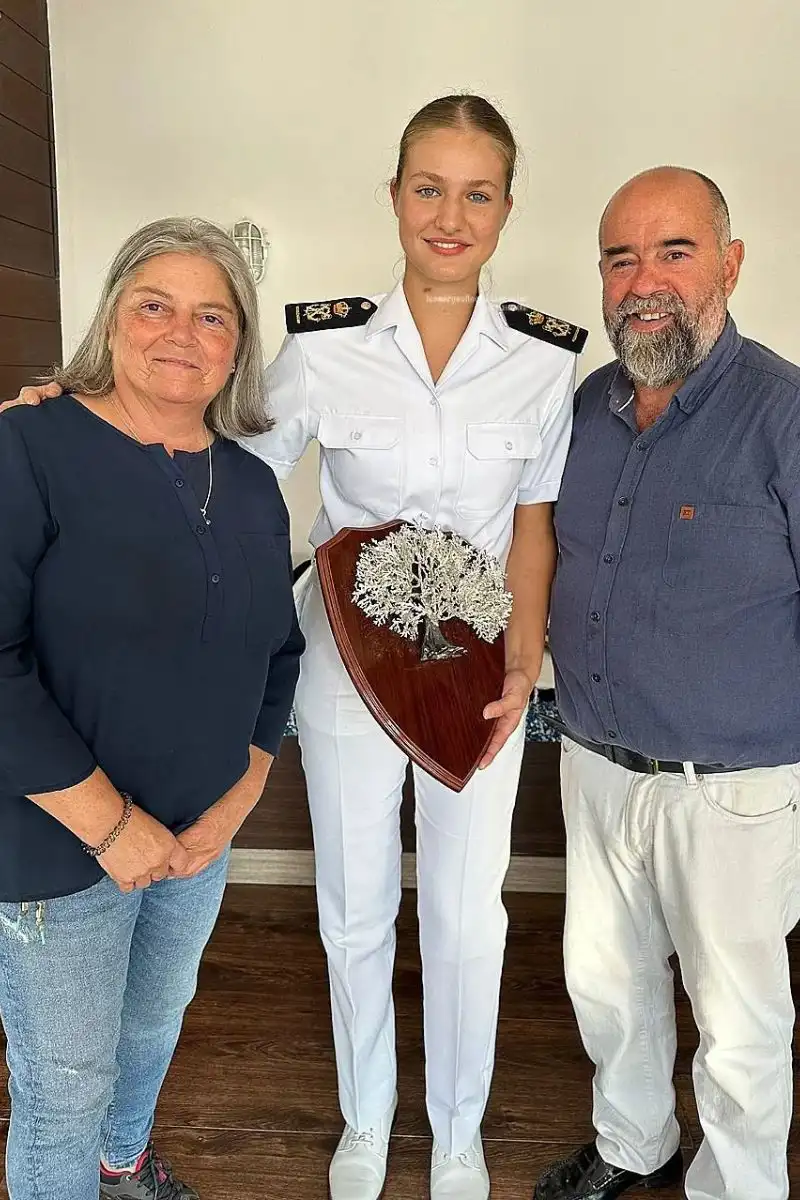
{"type": "Point", "coordinates": [240, 409]}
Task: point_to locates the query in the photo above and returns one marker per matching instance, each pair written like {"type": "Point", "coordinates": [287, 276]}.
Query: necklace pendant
{"type": "Point", "coordinates": [207, 520]}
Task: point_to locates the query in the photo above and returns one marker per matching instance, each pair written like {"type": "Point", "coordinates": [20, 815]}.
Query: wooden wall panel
{"type": "Point", "coordinates": [25, 295]}
{"type": "Point", "coordinates": [24, 103]}
{"type": "Point", "coordinates": [25, 200]}
{"type": "Point", "coordinates": [30, 333]}
{"type": "Point", "coordinates": [22, 52]}
{"type": "Point", "coordinates": [24, 341]}
{"type": "Point", "coordinates": [30, 15]}
{"type": "Point", "coordinates": [13, 378]}
{"type": "Point", "coordinates": [25, 248]}
{"type": "Point", "coordinates": [24, 152]}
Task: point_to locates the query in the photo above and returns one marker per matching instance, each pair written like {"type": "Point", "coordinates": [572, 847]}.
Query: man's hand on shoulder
{"type": "Point", "coordinates": [33, 395]}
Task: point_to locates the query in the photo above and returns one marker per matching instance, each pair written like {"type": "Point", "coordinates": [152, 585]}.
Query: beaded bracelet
{"type": "Point", "coordinates": [96, 851]}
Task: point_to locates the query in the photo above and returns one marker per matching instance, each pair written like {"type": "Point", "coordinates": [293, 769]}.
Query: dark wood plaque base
{"type": "Point", "coordinates": [432, 710]}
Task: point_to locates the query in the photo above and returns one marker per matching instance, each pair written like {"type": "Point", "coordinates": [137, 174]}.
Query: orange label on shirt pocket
{"type": "Point", "coordinates": [687, 512]}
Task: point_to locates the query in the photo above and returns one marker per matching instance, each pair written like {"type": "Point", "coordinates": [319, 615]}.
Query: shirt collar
{"type": "Point", "coordinates": [695, 389]}
{"type": "Point", "coordinates": [393, 313]}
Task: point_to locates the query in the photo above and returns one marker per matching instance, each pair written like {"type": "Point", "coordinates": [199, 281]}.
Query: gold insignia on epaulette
{"type": "Point", "coordinates": [558, 328]}
{"type": "Point", "coordinates": [347, 312]}
{"type": "Point", "coordinates": [540, 325]}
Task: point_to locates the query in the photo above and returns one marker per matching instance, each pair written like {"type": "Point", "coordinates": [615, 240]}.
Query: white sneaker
{"type": "Point", "coordinates": [462, 1177]}
{"type": "Point", "coordinates": [358, 1167]}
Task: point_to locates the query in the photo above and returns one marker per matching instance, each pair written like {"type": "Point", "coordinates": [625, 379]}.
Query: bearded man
{"type": "Point", "coordinates": [675, 631]}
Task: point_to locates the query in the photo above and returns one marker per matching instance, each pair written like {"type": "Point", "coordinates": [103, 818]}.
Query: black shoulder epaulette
{"type": "Point", "coordinates": [329, 314]}
{"type": "Point", "coordinates": [548, 329]}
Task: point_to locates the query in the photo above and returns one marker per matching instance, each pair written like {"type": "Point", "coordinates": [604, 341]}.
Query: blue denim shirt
{"type": "Point", "coordinates": [675, 625]}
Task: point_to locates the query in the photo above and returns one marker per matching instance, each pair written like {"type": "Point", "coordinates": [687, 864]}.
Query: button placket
{"type": "Point", "coordinates": [597, 626]}
{"type": "Point", "coordinates": [205, 540]}
{"type": "Point", "coordinates": [437, 460]}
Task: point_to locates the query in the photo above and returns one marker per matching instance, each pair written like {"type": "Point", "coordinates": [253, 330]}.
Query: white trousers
{"type": "Point", "coordinates": [708, 868]}
{"type": "Point", "coordinates": [355, 775]}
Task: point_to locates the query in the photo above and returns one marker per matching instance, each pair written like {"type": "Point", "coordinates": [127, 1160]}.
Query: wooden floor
{"type": "Point", "coordinates": [249, 1109]}
{"type": "Point", "coordinates": [280, 821]}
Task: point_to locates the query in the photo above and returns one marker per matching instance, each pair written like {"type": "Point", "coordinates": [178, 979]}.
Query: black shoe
{"type": "Point", "coordinates": [586, 1176]}
{"type": "Point", "coordinates": [150, 1179]}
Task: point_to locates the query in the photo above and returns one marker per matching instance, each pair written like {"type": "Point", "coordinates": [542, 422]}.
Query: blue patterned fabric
{"type": "Point", "coordinates": [536, 730]}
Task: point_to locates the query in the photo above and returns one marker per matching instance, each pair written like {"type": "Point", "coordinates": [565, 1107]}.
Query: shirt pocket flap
{"type": "Point", "coordinates": [715, 546]}
{"type": "Point", "coordinates": [744, 516]}
{"type": "Point", "coordinates": [504, 441]}
{"type": "Point", "coordinates": [339, 431]}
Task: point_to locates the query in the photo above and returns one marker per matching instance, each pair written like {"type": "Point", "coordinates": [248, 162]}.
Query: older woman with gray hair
{"type": "Point", "coordinates": [148, 656]}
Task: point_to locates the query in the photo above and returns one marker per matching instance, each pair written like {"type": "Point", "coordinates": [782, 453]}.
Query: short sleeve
{"type": "Point", "coordinates": [541, 476]}
{"type": "Point", "coordinates": [287, 403]}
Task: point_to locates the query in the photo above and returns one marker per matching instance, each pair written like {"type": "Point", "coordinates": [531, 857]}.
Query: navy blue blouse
{"type": "Point", "coordinates": [132, 634]}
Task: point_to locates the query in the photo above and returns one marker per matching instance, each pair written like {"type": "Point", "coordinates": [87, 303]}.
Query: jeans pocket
{"type": "Point", "coordinates": [755, 797]}
{"type": "Point", "coordinates": [568, 747]}
{"type": "Point", "coordinates": [23, 922]}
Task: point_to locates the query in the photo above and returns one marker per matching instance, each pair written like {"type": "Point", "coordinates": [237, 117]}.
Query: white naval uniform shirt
{"type": "Point", "coordinates": [491, 433]}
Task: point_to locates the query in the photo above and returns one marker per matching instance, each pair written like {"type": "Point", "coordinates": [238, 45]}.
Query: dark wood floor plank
{"type": "Point", "coordinates": [26, 249]}
{"type": "Point", "coordinates": [249, 1108]}
{"type": "Point", "coordinates": [20, 50]}
{"type": "Point", "coordinates": [281, 822]}
{"type": "Point", "coordinates": [245, 1165]}
{"type": "Point", "coordinates": [23, 103]}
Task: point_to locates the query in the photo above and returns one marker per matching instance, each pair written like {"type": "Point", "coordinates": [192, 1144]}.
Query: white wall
{"type": "Point", "coordinates": [290, 115]}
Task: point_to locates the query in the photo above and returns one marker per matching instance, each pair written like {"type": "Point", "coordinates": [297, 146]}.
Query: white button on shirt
{"type": "Point", "coordinates": [491, 433]}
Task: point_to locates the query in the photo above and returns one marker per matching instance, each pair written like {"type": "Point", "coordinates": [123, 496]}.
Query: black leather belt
{"type": "Point", "coordinates": [633, 761]}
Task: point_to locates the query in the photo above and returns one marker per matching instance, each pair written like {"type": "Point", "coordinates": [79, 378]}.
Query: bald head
{"type": "Point", "coordinates": [668, 266]}
{"type": "Point", "coordinates": [677, 184]}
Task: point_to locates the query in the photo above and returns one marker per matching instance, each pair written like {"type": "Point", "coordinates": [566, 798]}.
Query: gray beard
{"type": "Point", "coordinates": [656, 360]}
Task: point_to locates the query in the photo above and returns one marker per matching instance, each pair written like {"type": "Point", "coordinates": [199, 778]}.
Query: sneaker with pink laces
{"type": "Point", "coordinates": [150, 1179]}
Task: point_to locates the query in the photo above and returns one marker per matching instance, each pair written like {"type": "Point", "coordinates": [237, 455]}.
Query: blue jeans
{"type": "Point", "coordinates": [93, 989]}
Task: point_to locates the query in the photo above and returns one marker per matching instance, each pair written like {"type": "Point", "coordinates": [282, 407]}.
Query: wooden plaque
{"type": "Point", "coordinates": [432, 710]}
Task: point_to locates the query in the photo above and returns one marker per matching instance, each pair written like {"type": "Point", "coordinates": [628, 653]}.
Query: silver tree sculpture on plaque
{"type": "Point", "coordinates": [420, 577]}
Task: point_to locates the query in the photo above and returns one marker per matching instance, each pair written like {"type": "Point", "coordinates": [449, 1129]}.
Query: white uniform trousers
{"type": "Point", "coordinates": [355, 775]}
{"type": "Point", "coordinates": [708, 867]}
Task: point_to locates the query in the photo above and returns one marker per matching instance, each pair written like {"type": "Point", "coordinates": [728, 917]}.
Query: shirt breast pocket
{"type": "Point", "coordinates": [714, 546]}
{"type": "Point", "coordinates": [495, 458]}
{"type": "Point", "coordinates": [271, 604]}
{"type": "Point", "coordinates": [363, 456]}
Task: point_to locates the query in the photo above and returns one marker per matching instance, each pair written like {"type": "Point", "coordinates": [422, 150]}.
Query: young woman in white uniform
{"type": "Point", "coordinates": [426, 402]}
{"type": "Point", "coordinates": [429, 402]}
